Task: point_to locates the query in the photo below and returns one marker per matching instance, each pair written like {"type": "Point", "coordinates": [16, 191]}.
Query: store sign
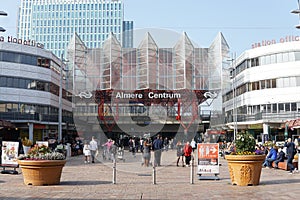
{"type": "Point", "coordinates": [288, 38]}
{"type": "Point", "coordinates": [32, 43]}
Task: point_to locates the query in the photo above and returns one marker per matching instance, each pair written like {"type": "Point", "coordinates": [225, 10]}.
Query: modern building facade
{"type": "Point", "coordinates": [54, 22]}
{"type": "Point", "coordinates": [145, 89]}
{"type": "Point", "coordinates": [265, 90]}
{"type": "Point", "coordinates": [29, 93]}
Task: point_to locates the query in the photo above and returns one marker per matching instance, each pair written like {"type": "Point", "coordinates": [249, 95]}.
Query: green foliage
{"type": "Point", "coordinates": [245, 144]}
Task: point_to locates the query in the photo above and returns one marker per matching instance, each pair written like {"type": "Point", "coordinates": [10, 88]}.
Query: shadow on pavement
{"type": "Point", "coordinates": [278, 182]}
{"type": "Point", "coordinates": [85, 182]}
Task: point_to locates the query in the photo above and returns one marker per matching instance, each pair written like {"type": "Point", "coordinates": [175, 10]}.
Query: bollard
{"type": "Point", "coordinates": [154, 175]}
{"type": "Point", "coordinates": [114, 181]}
{"type": "Point", "coordinates": [192, 171]}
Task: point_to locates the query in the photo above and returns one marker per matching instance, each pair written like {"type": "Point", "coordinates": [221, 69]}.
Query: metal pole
{"type": "Point", "coordinates": [192, 171]}
{"type": "Point", "coordinates": [154, 175]}
{"type": "Point", "coordinates": [114, 172]}
{"type": "Point", "coordinates": [60, 101]}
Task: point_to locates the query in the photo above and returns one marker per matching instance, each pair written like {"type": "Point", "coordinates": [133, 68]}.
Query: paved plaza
{"type": "Point", "coordinates": [133, 181]}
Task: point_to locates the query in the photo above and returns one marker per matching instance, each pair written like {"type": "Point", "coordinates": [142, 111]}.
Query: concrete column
{"type": "Point", "coordinates": [30, 125]}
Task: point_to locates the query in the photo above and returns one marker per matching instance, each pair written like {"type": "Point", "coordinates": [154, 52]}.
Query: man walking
{"type": "Point", "coordinates": [157, 147]}
{"type": "Point", "coordinates": [93, 148]}
{"type": "Point", "coordinates": [290, 151]}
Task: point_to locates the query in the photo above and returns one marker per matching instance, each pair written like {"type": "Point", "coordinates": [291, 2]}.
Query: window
{"type": "Point", "coordinates": [287, 107]}
{"type": "Point", "coordinates": [293, 107]}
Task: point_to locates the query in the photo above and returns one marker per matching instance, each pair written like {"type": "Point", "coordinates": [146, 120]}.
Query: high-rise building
{"type": "Point", "coordinates": [54, 22]}
{"type": "Point", "coordinates": [127, 37]}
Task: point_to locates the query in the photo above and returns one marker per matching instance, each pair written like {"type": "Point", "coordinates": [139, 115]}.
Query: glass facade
{"type": "Point", "coordinates": [54, 23]}
{"type": "Point", "coordinates": [147, 66]}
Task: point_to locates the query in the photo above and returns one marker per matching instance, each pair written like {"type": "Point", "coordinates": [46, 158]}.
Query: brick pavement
{"type": "Point", "coordinates": [94, 181]}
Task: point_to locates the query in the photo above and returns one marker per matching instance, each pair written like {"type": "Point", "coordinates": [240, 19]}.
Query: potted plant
{"type": "Point", "coordinates": [41, 166]}
{"type": "Point", "coordinates": [26, 143]}
{"type": "Point", "coordinates": [243, 164]}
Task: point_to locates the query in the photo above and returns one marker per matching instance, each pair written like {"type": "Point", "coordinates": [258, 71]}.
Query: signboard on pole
{"type": "Point", "coordinates": [208, 158]}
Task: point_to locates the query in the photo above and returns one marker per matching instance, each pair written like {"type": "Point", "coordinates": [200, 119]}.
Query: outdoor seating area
{"type": "Point", "coordinates": [284, 166]}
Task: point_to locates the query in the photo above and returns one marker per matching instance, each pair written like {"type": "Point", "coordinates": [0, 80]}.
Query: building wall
{"type": "Point", "coordinates": [30, 91]}
{"type": "Point", "coordinates": [267, 81]}
{"type": "Point", "coordinates": [54, 23]}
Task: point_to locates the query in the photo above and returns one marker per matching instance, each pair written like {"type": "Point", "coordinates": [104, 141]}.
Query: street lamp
{"type": "Point", "coordinates": [234, 111]}
{"type": "Point", "coordinates": [2, 13]}
{"type": "Point", "coordinates": [60, 97]}
{"type": "Point", "coordinates": [297, 12]}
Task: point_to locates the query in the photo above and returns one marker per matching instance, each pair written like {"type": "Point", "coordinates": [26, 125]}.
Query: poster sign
{"type": "Point", "coordinates": [208, 158]}
{"type": "Point", "coordinates": [9, 153]}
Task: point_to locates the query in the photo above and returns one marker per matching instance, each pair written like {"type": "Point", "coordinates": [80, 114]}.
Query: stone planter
{"type": "Point", "coordinates": [41, 172]}
{"type": "Point", "coordinates": [245, 170]}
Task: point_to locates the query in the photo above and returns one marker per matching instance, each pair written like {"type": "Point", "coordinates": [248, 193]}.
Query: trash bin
{"type": "Point", "coordinates": [68, 149]}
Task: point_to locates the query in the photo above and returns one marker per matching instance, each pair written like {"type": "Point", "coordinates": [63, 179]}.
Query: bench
{"type": "Point", "coordinates": [11, 171]}
{"type": "Point", "coordinates": [284, 166]}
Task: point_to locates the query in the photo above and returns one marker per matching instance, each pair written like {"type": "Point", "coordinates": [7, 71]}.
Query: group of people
{"type": "Point", "coordinates": [89, 150]}
{"type": "Point", "coordinates": [184, 152]}
{"type": "Point", "coordinates": [276, 155]}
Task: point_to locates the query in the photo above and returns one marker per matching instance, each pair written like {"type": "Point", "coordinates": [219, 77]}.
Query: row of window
{"type": "Point", "coordinates": [266, 60]}
{"type": "Point", "coordinates": [37, 22]}
{"type": "Point", "coordinates": [77, 14]}
{"type": "Point", "coordinates": [79, 6]}
{"type": "Point", "coordinates": [31, 109]}
{"type": "Point", "coordinates": [23, 83]}
{"type": "Point", "coordinates": [267, 108]}
{"type": "Point", "coordinates": [94, 29]}
{"type": "Point", "coordinates": [14, 57]}
{"type": "Point", "coordinates": [264, 84]}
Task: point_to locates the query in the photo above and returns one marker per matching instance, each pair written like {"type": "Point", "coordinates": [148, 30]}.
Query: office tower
{"type": "Point", "coordinates": [127, 37]}
{"type": "Point", "coordinates": [54, 22]}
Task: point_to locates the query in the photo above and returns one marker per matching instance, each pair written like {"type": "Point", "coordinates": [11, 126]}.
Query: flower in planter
{"type": "Point", "coordinates": [244, 144]}
{"type": "Point", "coordinates": [42, 153]}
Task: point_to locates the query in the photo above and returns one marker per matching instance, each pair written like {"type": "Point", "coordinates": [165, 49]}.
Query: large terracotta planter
{"type": "Point", "coordinates": [245, 170]}
{"type": "Point", "coordinates": [41, 172]}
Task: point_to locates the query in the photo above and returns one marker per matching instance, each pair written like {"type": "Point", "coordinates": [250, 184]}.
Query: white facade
{"type": "Point", "coordinates": [267, 86]}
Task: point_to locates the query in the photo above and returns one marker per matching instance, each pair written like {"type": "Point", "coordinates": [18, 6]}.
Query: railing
{"type": "Point", "coordinates": [265, 116]}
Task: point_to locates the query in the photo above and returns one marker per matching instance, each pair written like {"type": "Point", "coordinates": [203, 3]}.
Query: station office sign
{"type": "Point", "coordinates": [208, 158]}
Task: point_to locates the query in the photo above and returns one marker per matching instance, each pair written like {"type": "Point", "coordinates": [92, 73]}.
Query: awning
{"type": "Point", "coordinates": [6, 124]}
{"type": "Point", "coordinates": [295, 123]}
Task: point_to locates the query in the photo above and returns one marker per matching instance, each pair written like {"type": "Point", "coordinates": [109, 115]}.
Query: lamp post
{"type": "Point", "coordinates": [234, 111]}
{"type": "Point", "coordinates": [297, 12]}
{"type": "Point", "coordinates": [2, 13]}
{"type": "Point", "coordinates": [60, 97]}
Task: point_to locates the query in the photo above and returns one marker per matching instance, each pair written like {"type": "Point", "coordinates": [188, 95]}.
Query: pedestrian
{"type": "Point", "coordinates": [157, 148]}
{"type": "Point", "coordinates": [193, 144]}
{"type": "Point", "coordinates": [146, 152]}
{"type": "Point", "coordinates": [93, 148]}
{"type": "Point", "coordinates": [180, 153]}
{"type": "Point", "coordinates": [188, 153]}
{"type": "Point", "coordinates": [113, 151]}
{"type": "Point", "coordinates": [290, 151]}
{"type": "Point", "coordinates": [86, 152]}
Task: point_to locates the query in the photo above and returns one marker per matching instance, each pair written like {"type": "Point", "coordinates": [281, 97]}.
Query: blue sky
{"type": "Point", "coordinates": [241, 22]}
